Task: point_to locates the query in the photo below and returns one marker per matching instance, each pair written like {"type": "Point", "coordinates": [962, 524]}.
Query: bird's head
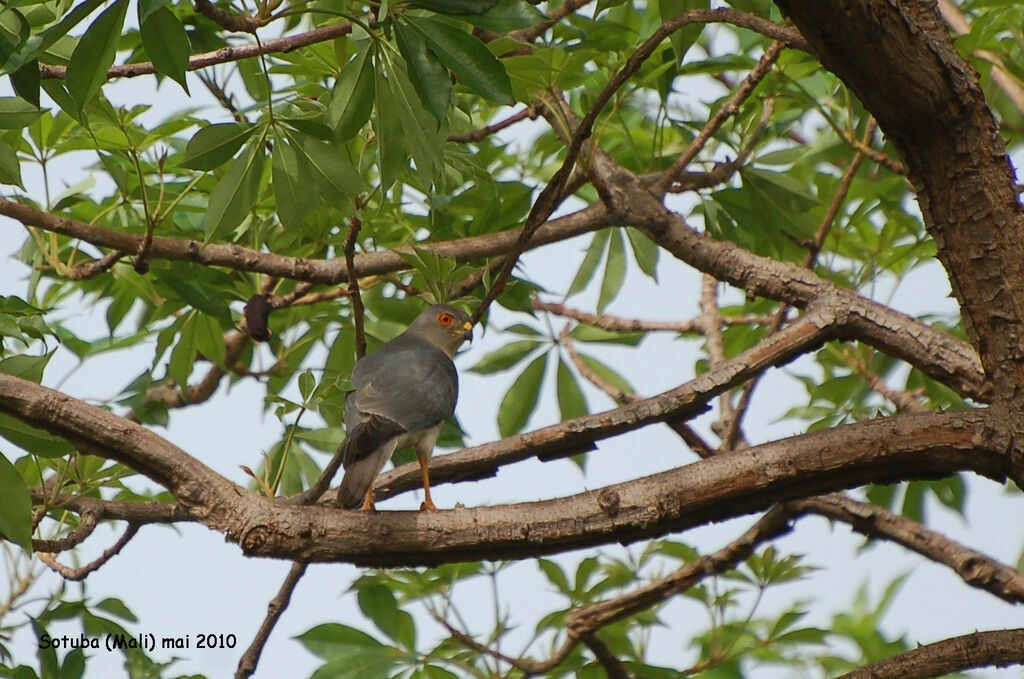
{"type": "Point", "coordinates": [444, 326]}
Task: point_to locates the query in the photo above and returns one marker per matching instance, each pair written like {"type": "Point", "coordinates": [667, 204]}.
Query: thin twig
{"type": "Point", "coordinates": [93, 268]}
{"type": "Point", "coordinates": [617, 324]}
{"type": "Point", "coordinates": [247, 663]}
{"type": "Point", "coordinates": [354, 225]}
{"type": "Point", "coordinates": [484, 132]}
{"type": "Point", "coordinates": [86, 526]}
{"type": "Point", "coordinates": [80, 573]}
{"type": "Point", "coordinates": [726, 111]}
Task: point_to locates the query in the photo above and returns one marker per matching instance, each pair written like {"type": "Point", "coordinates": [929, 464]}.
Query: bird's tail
{"type": "Point", "coordinates": [358, 477]}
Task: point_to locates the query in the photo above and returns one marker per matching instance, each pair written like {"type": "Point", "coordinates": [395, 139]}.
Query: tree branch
{"type": "Point", "coordinates": [973, 567]}
{"type": "Point", "coordinates": [1000, 648]}
{"type": "Point", "coordinates": [725, 486]}
{"type": "Point", "coordinates": [77, 574]}
{"type": "Point", "coordinates": [331, 271]}
{"type": "Point", "coordinates": [247, 663]}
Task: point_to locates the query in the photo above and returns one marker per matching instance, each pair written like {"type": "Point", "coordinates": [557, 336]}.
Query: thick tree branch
{"type": "Point", "coordinates": [933, 109]}
{"type": "Point", "coordinates": [973, 567]}
{"type": "Point", "coordinates": [725, 486]}
{"type": "Point", "coordinates": [934, 352]}
{"type": "Point", "coordinates": [999, 648]}
{"type": "Point", "coordinates": [572, 436]}
{"type": "Point", "coordinates": [117, 510]}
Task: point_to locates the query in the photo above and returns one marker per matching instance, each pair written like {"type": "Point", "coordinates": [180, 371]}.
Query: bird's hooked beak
{"type": "Point", "coordinates": [467, 335]}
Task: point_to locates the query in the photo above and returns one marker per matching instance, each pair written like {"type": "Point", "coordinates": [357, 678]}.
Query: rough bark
{"type": "Point", "coordinates": [899, 59]}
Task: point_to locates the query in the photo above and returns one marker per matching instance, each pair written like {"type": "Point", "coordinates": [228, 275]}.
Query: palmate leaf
{"type": "Point", "coordinates": [330, 170]}
{"type": "Point", "coordinates": [10, 166]}
{"type": "Point", "coordinates": [16, 112]}
{"type": "Point", "coordinates": [377, 602]}
{"type": "Point", "coordinates": [590, 261]}
{"type": "Point", "coordinates": [614, 272]}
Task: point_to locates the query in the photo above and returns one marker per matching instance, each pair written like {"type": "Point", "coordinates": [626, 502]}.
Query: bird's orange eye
{"type": "Point", "coordinates": [445, 319]}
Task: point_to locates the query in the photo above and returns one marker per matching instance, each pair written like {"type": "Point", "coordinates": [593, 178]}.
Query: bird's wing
{"type": "Point", "coordinates": [405, 386]}
{"type": "Point", "coordinates": [413, 385]}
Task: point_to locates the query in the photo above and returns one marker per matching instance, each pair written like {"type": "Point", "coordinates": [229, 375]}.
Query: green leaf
{"type": "Point", "coordinates": [607, 374]}
{"type": "Point", "coordinates": [521, 398]}
{"type": "Point", "coordinates": [26, 82]}
{"type": "Point", "coordinates": [332, 640]}
{"type": "Point", "coordinates": [16, 112]}
{"type": "Point", "coordinates": [197, 296]}
{"type": "Point", "coordinates": [236, 192]}
{"type": "Point", "coordinates": [456, 6]}
{"type": "Point", "coordinates": [352, 96]}
{"type": "Point", "coordinates": [419, 132]}
{"type": "Point", "coordinates": [429, 77]}
{"type": "Point", "coordinates": [378, 603]}
{"type": "Point", "coordinates": [148, 7]}
{"type": "Point", "coordinates": [291, 179]}
{"type": "Point", "coordinates": [210, 339]}
{"type": "Point", "coordinates": [505, 357]}
{"type": "Point", "coordinates": [32, 440]}
{"type": "Point", "coordinates": [387, 129]}
{"type": "Point", "coordinates": [38, 44]}
{"type": "Point", "coordinates": [15, 506]}
{"type": "Point", "coordinates": [645, 252]}
{"type": "Point", "coordinates": [307, 383]}
{"type": "Point", "coordinates": [507, 15]}
{"type": "Point", "coordinates": [590, 260]}
{"type": "Point", "coordinates": [555, 575]}
{"type": "Point", "coordinates": [25, 366]}
{"type": "Point", "coordinates": [592, 333]}
{"type": "Point", "coordinates": [214, 145]}
{"type": "Point", "coordinates": [329, 168]}
{"type": "Point", "coordinates": [94, 54]}
{"type": "Point", "coordinates": [10, 166]}
{"type": "Point", "coordinates": [166, 44]}
{"type": "Point", "coordinates": [183, 356]}
{"type": "Point", "coordinates": [683, 38]}
{"type": "Point", "coordinates": [473, 64]}
{"type": "Point", "coordinates": [614, 272]}
{"type": "Point", "coordinates": [571, 402]}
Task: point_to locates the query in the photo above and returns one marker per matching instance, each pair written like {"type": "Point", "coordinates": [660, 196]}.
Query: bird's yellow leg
{"type": "Point", "coordinates": [368, 500]}
{"type": "Point", "coordinates": [427, 502]}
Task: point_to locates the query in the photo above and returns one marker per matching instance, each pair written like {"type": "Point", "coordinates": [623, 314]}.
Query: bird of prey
{"type": "Point", "coordinates": [403, 393]}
